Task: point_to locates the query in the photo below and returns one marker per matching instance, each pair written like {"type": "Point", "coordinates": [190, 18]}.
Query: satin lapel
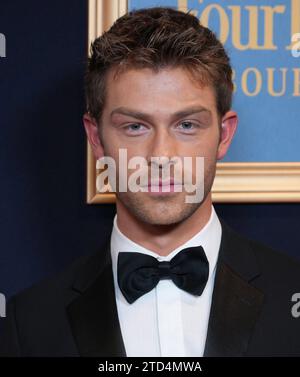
{"type": "Point", "coordinates": [93, 314]}
{"type": "Point", "coordinates": [236, 303]}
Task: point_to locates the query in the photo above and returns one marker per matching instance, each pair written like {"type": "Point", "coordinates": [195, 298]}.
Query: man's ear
{"type": "Point", "coordinates": [91, 129]}
{"type": "Point", "coordinates": [229, 125]}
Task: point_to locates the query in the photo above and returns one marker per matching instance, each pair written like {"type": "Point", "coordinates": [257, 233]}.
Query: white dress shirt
{"type": "Point", "coordinates": [167, 321]}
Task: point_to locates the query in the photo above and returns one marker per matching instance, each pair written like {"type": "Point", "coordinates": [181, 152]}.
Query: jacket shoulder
{"type": "Point", "coordinates": [37, 315]}
{"type": "Point", "coordinates": [275, 265]}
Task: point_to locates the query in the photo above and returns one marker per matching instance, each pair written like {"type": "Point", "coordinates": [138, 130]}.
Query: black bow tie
{"type": "Point", "coordinates": [139, 273]}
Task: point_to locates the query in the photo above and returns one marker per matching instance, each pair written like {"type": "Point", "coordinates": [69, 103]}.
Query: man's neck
{"type": "Point", "coordinates": [163, 239]}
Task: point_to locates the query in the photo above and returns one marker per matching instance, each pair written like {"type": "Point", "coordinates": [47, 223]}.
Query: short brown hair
{"type": "Point", "coordinates": [156, 38]}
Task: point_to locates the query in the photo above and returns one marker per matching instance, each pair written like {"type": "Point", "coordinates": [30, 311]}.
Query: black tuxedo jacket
{"type": "Point", "coordinates": [75, 313]}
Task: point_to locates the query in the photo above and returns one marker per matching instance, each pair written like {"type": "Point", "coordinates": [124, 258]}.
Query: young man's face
{"type": "Point", "coordinates": [197, 133]}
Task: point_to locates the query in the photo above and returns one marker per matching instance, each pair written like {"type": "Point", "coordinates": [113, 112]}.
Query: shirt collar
{"type": "Point", "coordinates": [209, 237]}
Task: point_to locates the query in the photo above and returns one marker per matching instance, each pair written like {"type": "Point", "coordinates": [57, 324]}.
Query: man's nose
{"type": "Point", "coordinates": [162, 145]}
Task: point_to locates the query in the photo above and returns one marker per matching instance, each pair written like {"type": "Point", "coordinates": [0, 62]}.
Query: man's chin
{"type": "Point", "coordinates": [158, 212]}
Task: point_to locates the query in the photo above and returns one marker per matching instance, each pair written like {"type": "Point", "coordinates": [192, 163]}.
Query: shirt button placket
{"type": "Point", "coordinates": [169, 316]}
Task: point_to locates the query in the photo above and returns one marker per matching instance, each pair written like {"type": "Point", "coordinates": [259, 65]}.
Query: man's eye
{"type": "Point", "coordinates": [133, 127]}
{"type": "Point", "coordinates": [187, 126]}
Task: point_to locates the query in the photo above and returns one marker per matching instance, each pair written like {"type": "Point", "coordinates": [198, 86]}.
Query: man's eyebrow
{"type": "Point", "coordinates": [148, 117]}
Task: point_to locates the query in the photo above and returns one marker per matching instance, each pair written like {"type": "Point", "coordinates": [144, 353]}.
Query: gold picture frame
{"type": "Point", "coordinates": [235, 182]}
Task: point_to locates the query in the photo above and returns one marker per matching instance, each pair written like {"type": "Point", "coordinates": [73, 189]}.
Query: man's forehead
{"type": "Point", "coordinates": [143, 85]}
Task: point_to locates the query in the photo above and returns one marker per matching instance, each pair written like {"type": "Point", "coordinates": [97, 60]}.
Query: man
{"type": "Point", "coordinates": [173, 279]}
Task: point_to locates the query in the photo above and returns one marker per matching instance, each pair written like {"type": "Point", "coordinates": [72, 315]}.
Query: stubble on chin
{"type": "Point", "coordinates": [158, 210]}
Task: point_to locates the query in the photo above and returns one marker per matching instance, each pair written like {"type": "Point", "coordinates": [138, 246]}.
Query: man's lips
{"type": "Point", "coordinates": [160, 186]}
{"type": "Point", "coordinates": [160, 182]}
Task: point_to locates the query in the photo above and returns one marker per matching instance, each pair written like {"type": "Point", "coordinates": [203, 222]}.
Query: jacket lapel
{"type": "Point", "coordinates": [93, 314]}
{"type": "Point", "coordinates": [236, 303]}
